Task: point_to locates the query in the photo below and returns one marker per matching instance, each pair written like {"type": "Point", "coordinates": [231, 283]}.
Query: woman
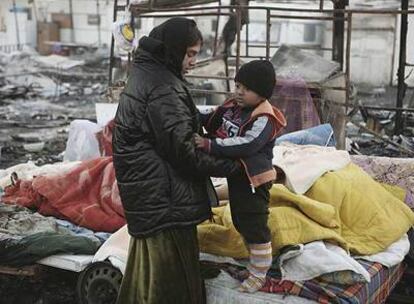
{"type": "Point", "coordinates": [163, 180]}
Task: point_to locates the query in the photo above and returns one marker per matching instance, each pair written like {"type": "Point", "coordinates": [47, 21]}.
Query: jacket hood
{"type": "Point", "coordinates": [167, 43]}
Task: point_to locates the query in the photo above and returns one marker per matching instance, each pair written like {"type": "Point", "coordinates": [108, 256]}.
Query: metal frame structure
{"type": "Point", "coordinates": [145, 10]}
{"type": "Point", "coordinates": [340, 16]}
{"type": "Point", "coordinates": [113, 61]}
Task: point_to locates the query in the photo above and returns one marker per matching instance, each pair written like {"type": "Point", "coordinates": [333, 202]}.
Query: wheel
{"type": "Point", "coordinates": [99, 284]}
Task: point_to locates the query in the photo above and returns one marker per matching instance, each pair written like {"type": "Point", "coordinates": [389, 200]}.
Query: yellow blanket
{"type": "Point", "coordinates": [346, 207]}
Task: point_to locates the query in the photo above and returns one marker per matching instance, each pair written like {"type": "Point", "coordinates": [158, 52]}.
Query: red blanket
{"type": "Point", "coordinates": [104, 138]}
{"type": "Point", "coordinates": [87, 195]}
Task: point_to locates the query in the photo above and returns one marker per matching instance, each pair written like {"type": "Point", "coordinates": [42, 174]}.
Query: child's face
{"type": "Point", "coordinates": [246, 97]}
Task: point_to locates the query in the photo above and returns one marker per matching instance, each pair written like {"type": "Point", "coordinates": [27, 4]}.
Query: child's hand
{"type": "Point", "coordinates": [199, 141]}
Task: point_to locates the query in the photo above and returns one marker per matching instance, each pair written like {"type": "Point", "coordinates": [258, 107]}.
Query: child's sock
{"type": "Point", "coordinates": [260, 262]}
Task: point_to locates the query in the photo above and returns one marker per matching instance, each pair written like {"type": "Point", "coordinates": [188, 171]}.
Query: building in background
{"type": "Point", "coordinates": [67, 21]}
{"type": "Point", "coordinates": [374, 46]}
{"type": "Point", "coordinates": [295, 32]}
{"type": "Point", "coordinates": [17, 24]}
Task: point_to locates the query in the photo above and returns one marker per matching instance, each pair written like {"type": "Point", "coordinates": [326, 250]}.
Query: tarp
{"type": "Point", "coordinates": [292, 97]}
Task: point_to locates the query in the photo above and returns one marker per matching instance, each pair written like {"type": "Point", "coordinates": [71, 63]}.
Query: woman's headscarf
{"type": "Point", "coordinates": [169, 41]}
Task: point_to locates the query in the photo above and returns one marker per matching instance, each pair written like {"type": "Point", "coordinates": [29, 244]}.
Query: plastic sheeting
{"type": "Point", "coordinates": [293, 98]}
{"type": "Point", "coordinates": [322, 135]}
{"type": "Point", "coordinates": [82, 142]}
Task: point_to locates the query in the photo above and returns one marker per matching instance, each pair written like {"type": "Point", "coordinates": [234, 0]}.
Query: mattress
{"type": "Point", "coordinates": [223, 289]}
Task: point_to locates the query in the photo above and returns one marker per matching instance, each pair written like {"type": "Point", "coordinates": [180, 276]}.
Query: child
{"type": "Point", "coordinates": [245, 128]}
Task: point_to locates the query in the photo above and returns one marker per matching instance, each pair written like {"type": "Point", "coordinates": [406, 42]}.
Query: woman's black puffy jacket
{"type": "Point", "coordinates": [162, 179]}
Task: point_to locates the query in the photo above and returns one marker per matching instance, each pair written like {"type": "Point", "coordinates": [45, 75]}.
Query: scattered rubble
{"type": "Point", "coordinates": [290, 61]}
{"type": "Point", "coordinates": [40, 96]}
{"type": "Point", "coordinates": [371, 129]}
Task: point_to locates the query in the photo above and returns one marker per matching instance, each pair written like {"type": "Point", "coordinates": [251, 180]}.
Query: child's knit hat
{"type": "Point", "coordinates": [258, 76]}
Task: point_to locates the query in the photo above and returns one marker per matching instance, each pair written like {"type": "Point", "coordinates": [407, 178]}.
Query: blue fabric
{"type": "Point", "coordinates": [81, 231]}
{"type": "Point", "coordinates": [321, 135]}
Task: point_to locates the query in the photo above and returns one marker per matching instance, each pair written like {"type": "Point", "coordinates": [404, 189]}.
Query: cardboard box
{"type": "Point", "coordinates": [63, 20]}
{"type": "Point", "coordinates": [46, 32]}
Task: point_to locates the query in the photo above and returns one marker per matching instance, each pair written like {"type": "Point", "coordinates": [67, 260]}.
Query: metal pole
{"type": "Point", "coordinates": [268, 25]}
{"type": "Point", "coordinates": [133, 28]}
{"type": "Point", "coordinates": [35, 11]}
{"type": "Point", "coordinates": [247, 39]}
{"type": "Point", "coordinates": [99, 22]}
{"type": "Point", "coordinates": [348, 60]}
{"type": "Point", "coordinates": [238, 15]}
{"type": "Point", "coordinates": [17, 24]}
{"type": "Point", "coordinates": [183, 14]}
{"type": "Point", "coordinates": [410, 110]}
{"type": "Point", "coordinates": [303, 47]}
{"type": "Point", "coordinates": [143, 10]}
{"type": "Point", "coordinates": [401, 67]}
{"type": "Point", "coordinates": [72, 32]}
{"type": "Point", "coordinates": [217, 29]}
{"type": "Point", "coordinates": [338, 33]}
{"type": "Point", "coordinates": [308, 17]}
{"type": "Point", "coordinates": [112, 51]}
{"type": "Point", "coordinates": [394, 46]}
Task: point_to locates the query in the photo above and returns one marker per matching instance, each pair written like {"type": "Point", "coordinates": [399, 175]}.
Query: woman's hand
{"type": "Point", "coordinates": [199, 141]}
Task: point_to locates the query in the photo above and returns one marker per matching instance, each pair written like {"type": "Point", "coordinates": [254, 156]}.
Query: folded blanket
{"type": "Point", "coordinates": [304, 164]}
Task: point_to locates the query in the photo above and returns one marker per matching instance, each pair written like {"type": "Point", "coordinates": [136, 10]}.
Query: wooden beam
{"type": "Point", "coordinates": [28, 271]}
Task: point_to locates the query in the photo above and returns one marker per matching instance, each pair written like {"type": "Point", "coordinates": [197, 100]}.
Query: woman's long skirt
{"type": "Point", "coordinates": [163, 268]}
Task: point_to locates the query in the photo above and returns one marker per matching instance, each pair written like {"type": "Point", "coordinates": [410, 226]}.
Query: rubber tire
{"type": "Point", "coordinates": [99, 284]}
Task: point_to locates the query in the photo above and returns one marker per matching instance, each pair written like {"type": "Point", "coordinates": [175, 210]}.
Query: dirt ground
{"type": "Point", "coordinates": [54, 287]}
